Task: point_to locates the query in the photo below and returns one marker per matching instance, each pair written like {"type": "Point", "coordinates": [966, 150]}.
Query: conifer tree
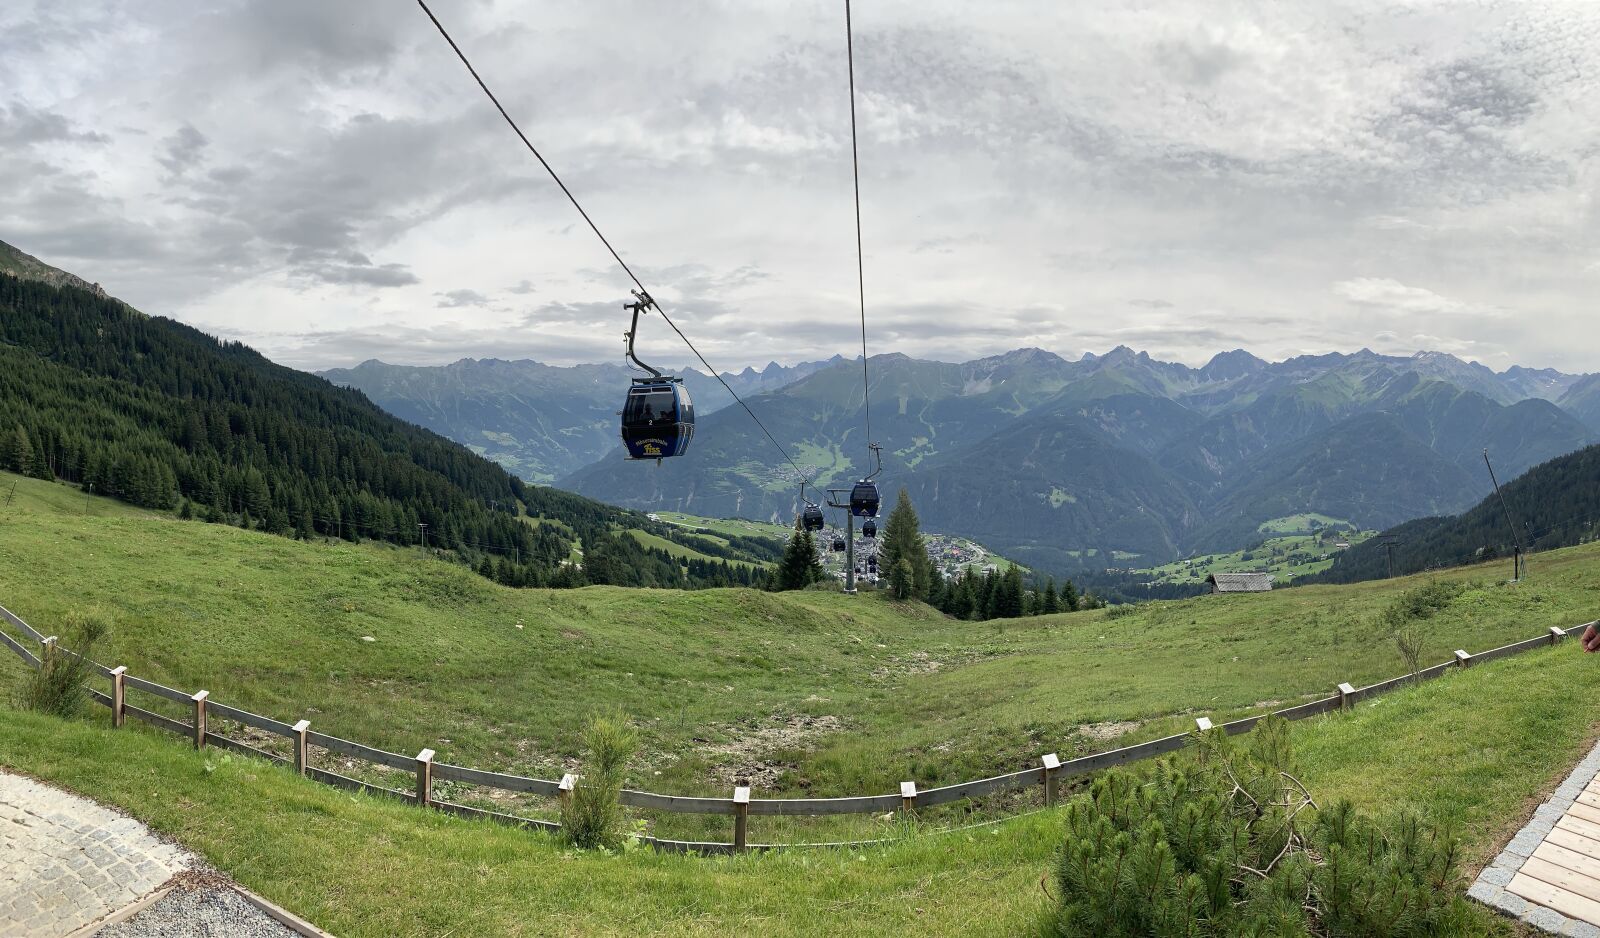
{"type": "Point", "coordinates": [1049, 602]}
{"type": "Point", "coordinates": [799, 567]}
{"type": "Point", "coordinates": [1069, 597]}
{"type": "Point", "coordinates": [902, 540]}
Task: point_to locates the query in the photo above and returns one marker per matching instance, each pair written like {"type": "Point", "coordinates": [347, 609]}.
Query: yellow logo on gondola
{"type": "Point", "coordinates": [652, 448]}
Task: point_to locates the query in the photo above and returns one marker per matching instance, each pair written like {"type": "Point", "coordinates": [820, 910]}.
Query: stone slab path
{"type": "Point", "coordinates": [66, 862]}
{"type": "Point", "coordinates": [1549, 875]}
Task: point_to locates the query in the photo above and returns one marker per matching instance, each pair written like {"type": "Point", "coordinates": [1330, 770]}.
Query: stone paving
{"type": "Point", "coordinates": [66, 861]}
{"type": "Point", "coordinates": [1500, 884]}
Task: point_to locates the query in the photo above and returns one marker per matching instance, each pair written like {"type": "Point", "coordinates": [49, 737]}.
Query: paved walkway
{"type": "Point", "coordinates": [1549, 875]}
{"type": "Point", "coordinates": [66, 861]}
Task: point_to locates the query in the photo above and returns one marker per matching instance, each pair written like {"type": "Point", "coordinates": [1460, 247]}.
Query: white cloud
{"type": "Point", "coordinates": [1396, 297]}
{"type": "Point", "coordinates": [325, 180]}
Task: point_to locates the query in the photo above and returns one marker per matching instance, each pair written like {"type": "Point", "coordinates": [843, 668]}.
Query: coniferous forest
{"type": "Point", "coordinates": [161, 415]}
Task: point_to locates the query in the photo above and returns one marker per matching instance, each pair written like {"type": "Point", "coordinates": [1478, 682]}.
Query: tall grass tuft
{"type": "Point", "coordinates": [59, 686]}
{"type": "Point", "coordinates": [592, 816]}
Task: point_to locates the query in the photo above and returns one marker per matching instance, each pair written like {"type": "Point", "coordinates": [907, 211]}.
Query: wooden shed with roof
{"type": "Point", "coordinates": [1239, 582]}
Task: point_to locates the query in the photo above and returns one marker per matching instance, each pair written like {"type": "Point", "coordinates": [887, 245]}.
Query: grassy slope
{"type": "Point", "coordinates": [276, 626]}
{"type": "Point", "coordinates": [1462, 749]}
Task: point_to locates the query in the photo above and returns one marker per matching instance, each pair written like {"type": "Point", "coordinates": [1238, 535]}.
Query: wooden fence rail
{"type": "Point", "coordinates": [740, 806]}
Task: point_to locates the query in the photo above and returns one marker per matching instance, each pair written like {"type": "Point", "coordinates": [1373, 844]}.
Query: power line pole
{"type": "Point", "coordinates": [88, 489]}
{"type": "Point", "coordinates": [424, 529]}
{"type": "Point", "coordinates": [1516, 539]}
{"type": "Point", "coordinates": [1389, 542]}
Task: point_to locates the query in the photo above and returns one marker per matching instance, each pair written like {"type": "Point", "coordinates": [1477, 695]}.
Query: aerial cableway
{"type": "Point", "coordinates": [657, 416]}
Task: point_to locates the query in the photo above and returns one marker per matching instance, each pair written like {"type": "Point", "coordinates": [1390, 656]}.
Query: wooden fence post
{"type": "Point", "coordinates": [47, 651]}
{"type": "Point", "coordinates": [741, 816]}
{"type": "Point", "coordinates": [1556, 634]}
{"type": "Point", "coordinates": [425, 777]}
{"type": "Point", "coordinates": [1345, 693]}
{"type": "Point", "coordinates": [1052, 763]}
{"type": "Point", "coordinates": [200, 718]}
{"type": "Point", "coordinates": [298, 740]}
{"type": "Point", "coordinates": [1462, 658]}
{"type": "Point", "coordinates": [118, 696]}
{"type": "Point", "coordinates": [568, 783]}
{"type": "Point", "coordinates": [908, 798]}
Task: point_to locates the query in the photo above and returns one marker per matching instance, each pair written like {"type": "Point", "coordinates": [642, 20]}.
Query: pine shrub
{"type": "Point", "coordinates": [592, 817]}
{"type": "Point", "coordinates": [60, 685]}
{"type": "Point", "coordinates": [1226, 841]}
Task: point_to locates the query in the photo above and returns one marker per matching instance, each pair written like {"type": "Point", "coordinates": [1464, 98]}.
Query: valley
{"type": "Point", "coordinates": [1293, 548]}
{"type": "Point", "coordinates": [1071, 465]}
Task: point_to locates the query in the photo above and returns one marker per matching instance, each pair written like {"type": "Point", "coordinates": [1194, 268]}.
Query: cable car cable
{"type": "Point", "coordinates": [596, 229]}
{"type": "Point", "coordinates": [861, 275]}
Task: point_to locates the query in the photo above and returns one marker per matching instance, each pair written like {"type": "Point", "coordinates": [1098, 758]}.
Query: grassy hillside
{"type": "Point", "coordinates": [350, 863]}
{"type": "Point", "coordinates": [814, 692]}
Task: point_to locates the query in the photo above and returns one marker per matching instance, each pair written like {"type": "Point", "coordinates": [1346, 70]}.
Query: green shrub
{"type": "Point", "coordinates": [59, 686]}
{"type": "Point", "coordinates": [1120, 610]}
{"type": "Point", "coordinates": [592, 816]}
{"type": "Point", "coordinates": [1226, 841]}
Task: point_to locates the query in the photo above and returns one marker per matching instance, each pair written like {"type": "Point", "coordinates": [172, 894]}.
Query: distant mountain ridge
{"type": "Point", "coordinates": [539, 421]}
{"type": "Point", "coordinates": [1122, 458]}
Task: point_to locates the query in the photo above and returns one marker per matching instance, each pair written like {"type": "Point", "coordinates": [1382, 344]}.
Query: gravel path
{"type": "Point", "coordinates": [208, 911]}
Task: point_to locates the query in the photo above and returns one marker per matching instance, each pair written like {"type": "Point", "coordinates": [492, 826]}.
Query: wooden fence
{"type": "Point", "coordinates": [740, 806]}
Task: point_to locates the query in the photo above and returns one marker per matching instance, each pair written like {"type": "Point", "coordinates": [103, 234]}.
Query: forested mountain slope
{"type": "Point", "coordinates": [158, 414]}
{"type": "Point", "coordinates": [1553, 505]}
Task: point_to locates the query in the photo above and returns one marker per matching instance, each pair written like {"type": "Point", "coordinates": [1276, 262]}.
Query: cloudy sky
{"type": "Point", "coordinates": [322, 179]}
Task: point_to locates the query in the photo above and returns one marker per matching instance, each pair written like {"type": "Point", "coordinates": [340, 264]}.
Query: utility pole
{"type": "Point", "coordinates": [12, 493]}
{"type": "Point", "coordinates": [1516, 539]}
{"type": "Point", "coordinates": [1389, 543]}
{"type": "Point", "coordinates": [88, 489]}
{"type": "Point", "coordinates": [834, 496]}
{"type": "Point", "coordinates": [424, 529]}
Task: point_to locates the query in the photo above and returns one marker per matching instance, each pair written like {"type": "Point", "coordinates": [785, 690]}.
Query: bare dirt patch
{"type": "Point", "coordinates": [749, 759]}
{"type": "Point", "coordinates": [1108, 730]}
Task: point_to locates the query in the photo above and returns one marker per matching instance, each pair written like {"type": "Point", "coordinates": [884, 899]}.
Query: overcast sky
{"type": "Point", "coordinates": [321, 179]}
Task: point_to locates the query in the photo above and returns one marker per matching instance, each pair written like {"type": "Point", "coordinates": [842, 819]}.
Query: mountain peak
{"type": "Point", "coordinates": [1235, 364]}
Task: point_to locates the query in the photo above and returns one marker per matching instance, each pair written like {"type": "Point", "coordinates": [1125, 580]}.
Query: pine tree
{"type": "Point", "coordinates": [902, 540]}
{"type": "Point", "coordinates": [1008, 603]}
{"type": "Point", "coordinates": [1069, 597]}
{"type": "Point", "coordinates": [799, 567]}
{"type": "Point", "coordinates": [1049, 602]}
{"type": "Point", "coordinates": [901, 579]}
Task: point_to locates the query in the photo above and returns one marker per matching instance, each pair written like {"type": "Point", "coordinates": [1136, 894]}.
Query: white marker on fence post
{"type": "Point", "coordinates": [1345, 693]}
{"type": "Point", "coordinates": [200, 718]}
{"type": "Point", "coordinates": [741, 815]}
{"type": "Point", "coordinates": [1556, 634]}
{"type": "Point", "coordinates": [568, 783]}
{"type": "Point", "coordinates": [1052, 763]}
{"type": "Point", "coordinates": [298, 740]}
{"type": "Point", "coordinates": [1462, 658]}
{"type": "Point", "coordinates": [118, 695]}
{"type": "Point", "coordinates": [1202, 724]}
{"type": "Point", "coordinates": [47, 651]}
{"type": "Point", "coordinates": [908, 797]}
{"type": "Point", "coordinates": [425, 777]}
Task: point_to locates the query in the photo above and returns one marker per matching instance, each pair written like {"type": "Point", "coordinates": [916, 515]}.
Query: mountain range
{"type": "Point", "coordinates": [540, 421]}
{"type": "Point", "coordinates": [1064, 464]}
{"type": "Point", "coordinates": [1122, 458]}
